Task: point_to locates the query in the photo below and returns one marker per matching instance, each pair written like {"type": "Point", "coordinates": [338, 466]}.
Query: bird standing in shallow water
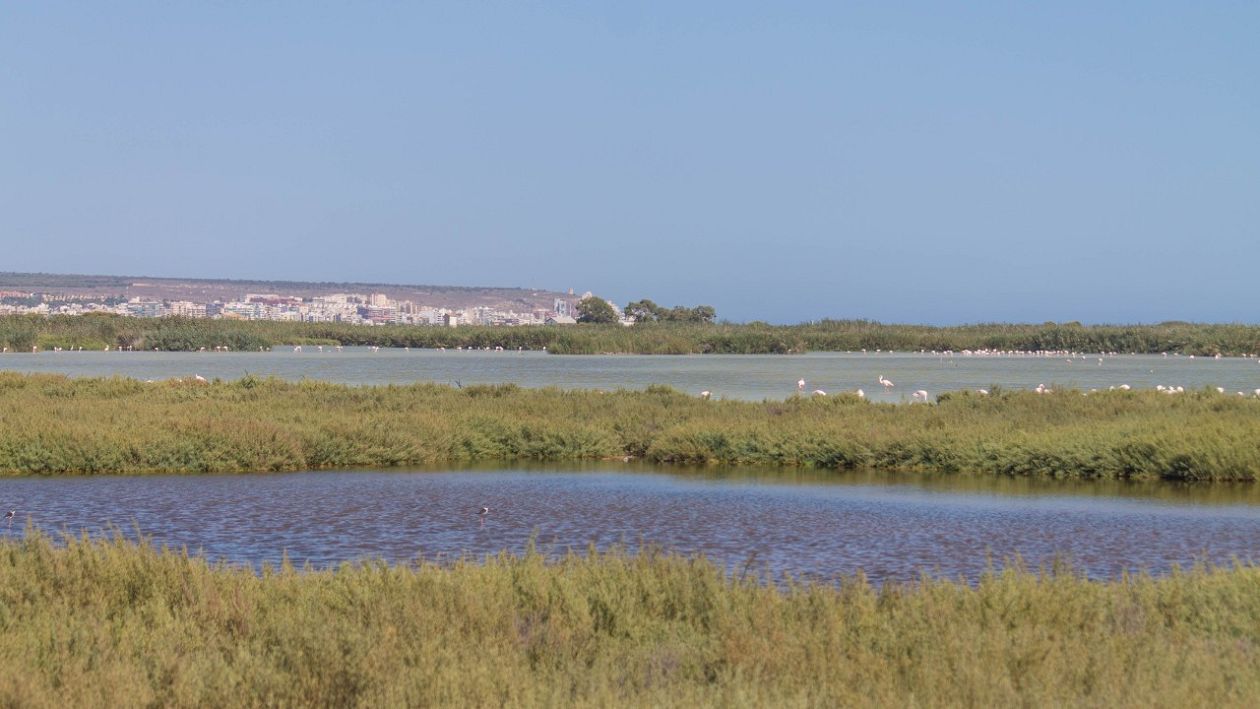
{"type": "Point", "coordinates": [8, 516]}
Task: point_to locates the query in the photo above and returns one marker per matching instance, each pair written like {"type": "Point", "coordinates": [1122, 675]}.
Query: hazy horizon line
{"type": "Point", "coordinates": [874, 321]}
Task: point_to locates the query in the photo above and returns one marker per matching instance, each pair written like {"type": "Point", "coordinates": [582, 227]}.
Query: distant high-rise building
{"type": "Point", "coordinates": [187, 309]}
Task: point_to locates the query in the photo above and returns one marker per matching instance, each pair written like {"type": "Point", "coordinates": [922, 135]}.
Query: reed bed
{"type": "Point", "coordinates": [111, 623]}
{"type": "Point", "coordinates": [19, 333]}
{"type": "Point", "coordinates": [52, 424]}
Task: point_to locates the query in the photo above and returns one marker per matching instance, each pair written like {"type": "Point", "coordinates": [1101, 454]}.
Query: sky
{"type": "Point", "coordinates": [907, 162]}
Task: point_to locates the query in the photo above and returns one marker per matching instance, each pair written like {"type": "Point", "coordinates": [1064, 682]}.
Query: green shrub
{"type": "Point", "coordinates": [52, 424]}
{"type": "Point", "coordinates": [110, 623]}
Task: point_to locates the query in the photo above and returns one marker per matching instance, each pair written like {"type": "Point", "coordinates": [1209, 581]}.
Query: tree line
{"type": "Point", "coordinates": [665, 335]}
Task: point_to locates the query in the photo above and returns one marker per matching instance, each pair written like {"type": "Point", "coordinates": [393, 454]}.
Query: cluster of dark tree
{"type": "Point", "coordinates": [645, 311]}
{"type": "Point", "coordinates": [598, 310]}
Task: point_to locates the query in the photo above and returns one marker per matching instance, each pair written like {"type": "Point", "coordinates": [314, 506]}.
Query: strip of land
{"type": "Point", "coordinates": [109, 623]}
{"type": "Point", "coordinates": [22, 333]}
{"type": "Point", "coordinates": [67, 287]}
{"type": "Point", "coordinates": [52, 424]}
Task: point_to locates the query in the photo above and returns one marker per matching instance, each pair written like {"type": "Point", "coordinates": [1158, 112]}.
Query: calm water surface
{"type": "Point", "coordinates": [811, 524]}
{"type": "Point", "coordinates": [752, 377]}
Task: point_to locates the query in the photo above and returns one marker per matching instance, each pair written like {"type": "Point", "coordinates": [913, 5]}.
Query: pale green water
{"type": "Point", "coordinates": [732, 376]}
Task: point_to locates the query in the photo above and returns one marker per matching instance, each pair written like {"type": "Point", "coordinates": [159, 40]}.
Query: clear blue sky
{"type": "Point", "coordinates": [941, 163]}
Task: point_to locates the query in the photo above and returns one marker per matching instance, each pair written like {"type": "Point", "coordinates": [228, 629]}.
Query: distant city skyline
{"type": "Point", "coordinates": [917, 163]}
{"type": "Point", "coordinates": [328, 306]}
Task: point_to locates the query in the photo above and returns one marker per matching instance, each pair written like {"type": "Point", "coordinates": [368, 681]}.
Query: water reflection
{"type": "Point", "coordinates": [804, 523]}
{"type": "Point", "coordinates": [1243, 493]}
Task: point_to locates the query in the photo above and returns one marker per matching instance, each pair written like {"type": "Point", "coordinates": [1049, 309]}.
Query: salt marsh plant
{"type": "Point", "coordinates": [96, 331]}
{"type": "Point", "coordinates": [110, 623]}
{"type": "Point", "coordinates": [52, 424]}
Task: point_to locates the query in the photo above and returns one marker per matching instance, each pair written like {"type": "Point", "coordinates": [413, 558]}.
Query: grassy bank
{"type": "Point", "coordinates": [54, 424]}
{"type": "Point", "coordinates": [21, 333]}
{"type": "Point", "coordinates": [113, 624]}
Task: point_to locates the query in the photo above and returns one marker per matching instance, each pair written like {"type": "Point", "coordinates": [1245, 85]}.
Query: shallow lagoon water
{"type": "Point", "coordinates": [752, 377]}
{"type": "Point", "coordinates": [808, 524]}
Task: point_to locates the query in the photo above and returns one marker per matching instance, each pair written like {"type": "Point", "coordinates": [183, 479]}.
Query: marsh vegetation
{"type": "Point", "coordinates": [21, 333]}
{"type": "Point", "coordinates": [110, 623]}
{"type": "Point", "coordinates": [51, 424]}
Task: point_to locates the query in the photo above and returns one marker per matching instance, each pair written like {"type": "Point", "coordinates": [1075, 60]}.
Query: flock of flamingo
{"type": "Point", "coordinates": [917, 396]}
{"type": "Point", "coordinates": [921, 395]}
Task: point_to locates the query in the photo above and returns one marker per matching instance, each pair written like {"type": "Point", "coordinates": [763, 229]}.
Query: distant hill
{"type": "Point", "coordinates": [211, 289]}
